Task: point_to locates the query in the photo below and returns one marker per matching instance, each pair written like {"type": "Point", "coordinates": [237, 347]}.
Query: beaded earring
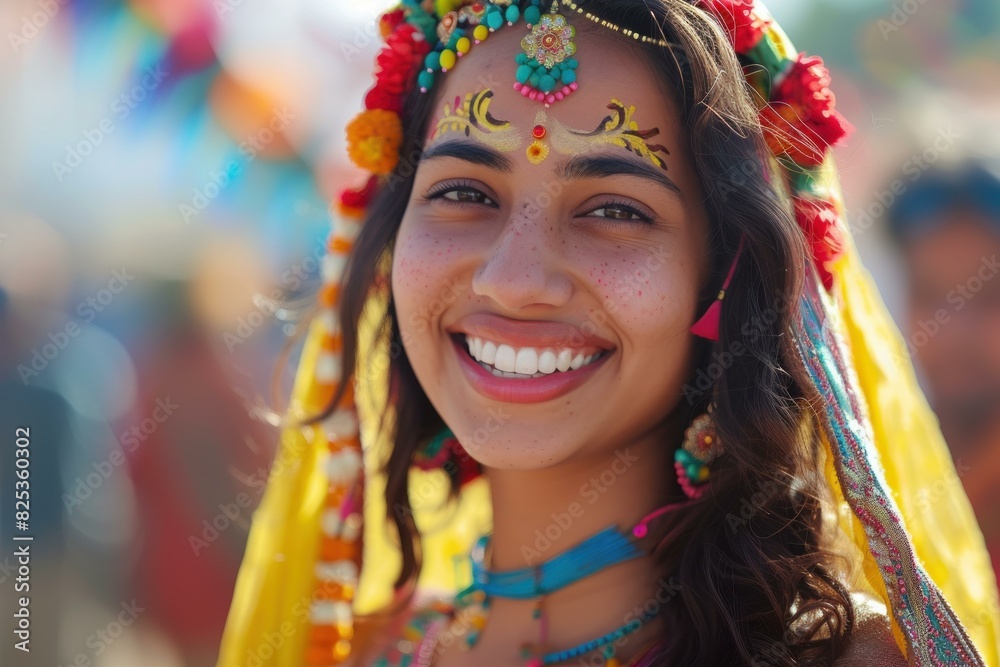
{"type": "Point", "coordinates": [445, 452]}
{"type": "Point", "coordinates": [692, 460]}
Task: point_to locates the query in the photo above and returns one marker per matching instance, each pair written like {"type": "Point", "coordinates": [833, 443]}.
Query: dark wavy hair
{"type": "Point", "coordinates": [756, 586]}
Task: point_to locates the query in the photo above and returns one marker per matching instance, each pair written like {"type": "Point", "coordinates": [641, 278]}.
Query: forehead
{"type": "Point", "coordinates": [610, 67]}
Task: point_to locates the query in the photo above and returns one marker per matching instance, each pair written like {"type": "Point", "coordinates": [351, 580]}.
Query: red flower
{"type": "Point", "coordinates": [397, 63]}
{"type": "Point", "coordinates": [389, 21]}
{"type": "Point", "coordinates": [801, 120]}
{"type": "Point", "coordinates": [361, 197]}
{"type": "Point", "coordinates": [744, 27]}
{"type": "Point", "coordinates": [820, 221]}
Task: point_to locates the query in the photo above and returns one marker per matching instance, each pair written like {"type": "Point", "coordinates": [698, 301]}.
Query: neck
{"type": "Point", "coordinates": [540, 514]}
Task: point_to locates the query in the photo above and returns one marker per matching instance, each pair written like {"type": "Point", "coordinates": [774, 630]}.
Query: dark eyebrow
{"type": "Point", "coordinates": [603, 166]}
{"type": "Point", "coordinates": [471, 153]}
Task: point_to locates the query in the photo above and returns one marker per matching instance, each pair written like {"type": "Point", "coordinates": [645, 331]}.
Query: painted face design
{"type": "Point", "coordinates": [617, 129]}
{"type": "Point", "coordinates": [472, 117]}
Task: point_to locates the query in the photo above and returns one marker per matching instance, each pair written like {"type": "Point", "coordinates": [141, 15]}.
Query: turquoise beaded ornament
{"type": "Point", "coordinates": [546, 70]}
{"type": "Point", "coordinates": [692, 460]}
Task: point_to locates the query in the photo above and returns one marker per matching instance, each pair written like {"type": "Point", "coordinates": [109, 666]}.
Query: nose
{"type": "Point", "coordinates": [525, 266]}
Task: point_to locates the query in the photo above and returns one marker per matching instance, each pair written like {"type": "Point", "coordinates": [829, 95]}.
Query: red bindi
{"type": "Point", "coordinates": [538, 132]}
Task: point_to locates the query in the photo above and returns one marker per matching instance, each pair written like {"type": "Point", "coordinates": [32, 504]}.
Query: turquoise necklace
{"type": "Point", "coordinates": [598, 552]}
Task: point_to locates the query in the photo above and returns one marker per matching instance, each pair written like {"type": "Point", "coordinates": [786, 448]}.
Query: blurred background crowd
{"type": "Point", "coordinates": [165, 172]}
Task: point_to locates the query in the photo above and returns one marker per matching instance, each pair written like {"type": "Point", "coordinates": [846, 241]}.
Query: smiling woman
{"type": "Point", "coordinates": [622, 199]}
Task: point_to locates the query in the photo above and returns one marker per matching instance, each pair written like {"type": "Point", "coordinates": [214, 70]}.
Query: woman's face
{"type": "Point", "coordinates": [565, 246]}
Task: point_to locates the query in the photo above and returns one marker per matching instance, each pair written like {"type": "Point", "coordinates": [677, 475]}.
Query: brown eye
{"type": "Point", "coordinates": [466, 196]}
{"type": "Point", "coordinates": [617, 213]}
{"type": "Point", "coordinates": [620, 212]}
{"type": "Point", "coordinates": [460, 193]}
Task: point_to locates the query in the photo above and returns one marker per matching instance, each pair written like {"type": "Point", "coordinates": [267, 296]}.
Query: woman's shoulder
{"type": "Point", "coordinates": [871, 642]}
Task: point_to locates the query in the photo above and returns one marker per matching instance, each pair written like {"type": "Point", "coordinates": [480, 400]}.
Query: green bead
{"type": "Point", "coordinates": [433, 60]}
{"type": "Point", "coordinates": [521, 58]}
{"type": "Point", "coordinates": [556, 72]}
{"type": "Point", "coordinates": [524, 73]}
{"type": "Point", "coordinates": [494, 20]}
{"type": "Point", "coordinates": [534, 80]}
{"type": "Point", "coordinates": [546, 83]}
{"type": "Point", "coordinates": [425, 80]}
{"type": "Point", "coordinates": [570, 63]}
{"type": "Point", "coordinates": [455, 36]}
{"type": "Point", "coordinates": [532, 15]}
{"type": "Point", "coordinates": [568, 76]}
{"type": "Point", "coordinates": [513, 14]}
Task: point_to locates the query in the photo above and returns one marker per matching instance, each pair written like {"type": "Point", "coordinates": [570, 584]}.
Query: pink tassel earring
{"type": "Point", "coordinates": [707, 325]}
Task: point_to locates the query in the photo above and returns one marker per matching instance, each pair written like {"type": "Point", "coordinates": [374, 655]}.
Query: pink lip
{"type": "Point", "coordinates": [522, 390]}
{"type": "Point", "coordinates": [525, 333]}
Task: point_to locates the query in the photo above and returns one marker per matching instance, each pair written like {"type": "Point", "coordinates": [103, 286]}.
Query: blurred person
{"type": "Point", "coordinates": [947, 225]}
{"type": "Point", "coordinates": [197, 460]}
{"type": "Point", "coordinates": [605, 259]}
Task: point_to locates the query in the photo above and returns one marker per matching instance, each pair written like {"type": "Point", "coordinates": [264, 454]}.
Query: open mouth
{"type": "Point", "coordinates": [525, 363]}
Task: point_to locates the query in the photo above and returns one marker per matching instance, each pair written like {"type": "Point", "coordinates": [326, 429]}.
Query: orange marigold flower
{"type": "Point", "coordinates": [373, 140]}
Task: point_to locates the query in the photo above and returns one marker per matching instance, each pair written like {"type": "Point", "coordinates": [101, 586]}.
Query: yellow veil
{"type": "Point", "coordinates": [897, 495]}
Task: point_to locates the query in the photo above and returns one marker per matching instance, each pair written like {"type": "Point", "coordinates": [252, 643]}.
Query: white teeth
{"type": "Point", "coordinates": [506, 361]}
{"type": "Point", "coordinates": [547, 362]}
{"type": "Point", "coordinates": [526, 362]}
{"type": "Point", "coordinates": [487, 352]}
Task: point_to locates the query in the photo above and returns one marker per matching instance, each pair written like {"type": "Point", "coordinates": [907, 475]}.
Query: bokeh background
{"type": "Point", "coordinates": [165, 172]}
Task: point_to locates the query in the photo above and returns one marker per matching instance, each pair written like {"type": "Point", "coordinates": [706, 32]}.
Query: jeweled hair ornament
{"type": "Point", "coordinates": [300, 576]}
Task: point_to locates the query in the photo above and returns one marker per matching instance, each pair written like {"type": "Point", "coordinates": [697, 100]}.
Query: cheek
{"type": "Point", "coordinates": [652, 302]}
{"type": "Point", "coordinates": [650, 295]}
{"type": "Point", "coordinates": [424, 281]}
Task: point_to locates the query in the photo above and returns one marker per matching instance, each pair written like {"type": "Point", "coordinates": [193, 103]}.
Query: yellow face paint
{"type": "Point", "coordinates": [617, 129]}
{"type": "Point", "coordinates": [472, 117]}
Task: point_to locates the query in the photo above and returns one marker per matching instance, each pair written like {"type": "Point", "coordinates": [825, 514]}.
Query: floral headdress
{"type": "Point", "coordinates": [300, 575]}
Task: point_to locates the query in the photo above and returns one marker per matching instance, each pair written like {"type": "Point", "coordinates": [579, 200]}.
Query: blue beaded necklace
{"type": "Point", "coordinates": [600, 551]}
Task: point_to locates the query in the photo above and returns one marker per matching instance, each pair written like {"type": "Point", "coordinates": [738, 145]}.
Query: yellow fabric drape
{"type": "Point", "coordinates": [917, 465]}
